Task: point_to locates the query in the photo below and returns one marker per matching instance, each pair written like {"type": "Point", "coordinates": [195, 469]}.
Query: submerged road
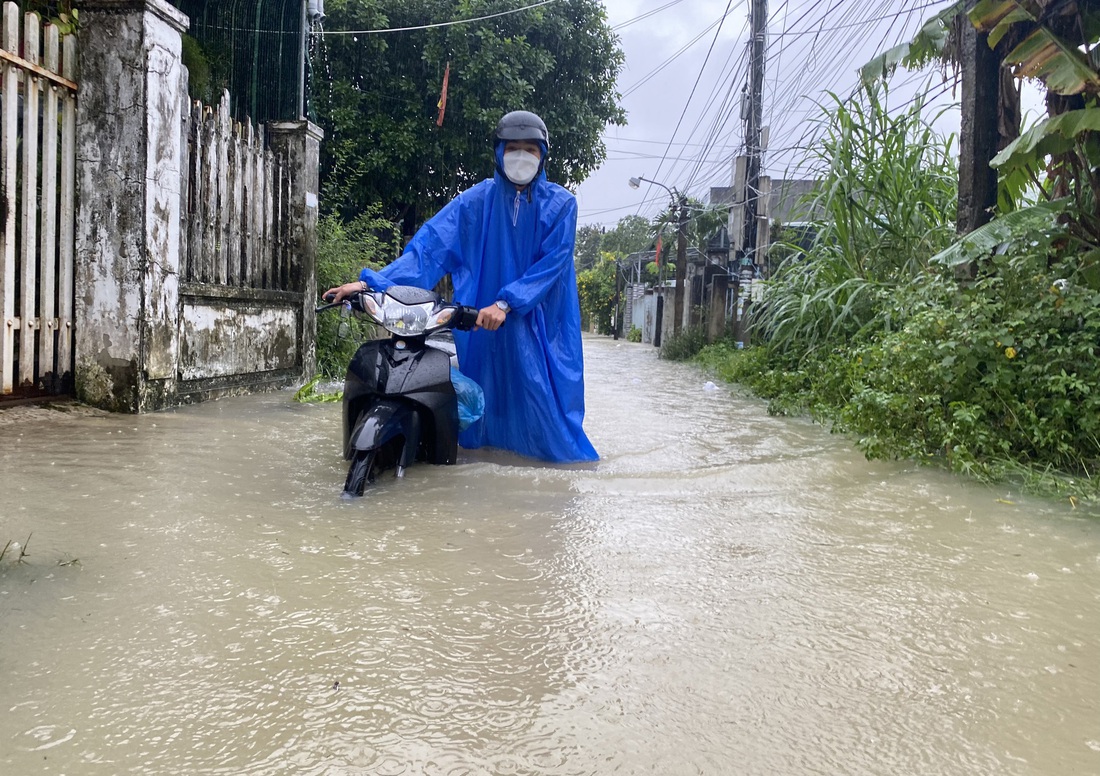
{"type": "Point", "coordinates": [723, 593]}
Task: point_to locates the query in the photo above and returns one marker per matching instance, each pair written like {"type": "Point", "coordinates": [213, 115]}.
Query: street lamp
{"type": "Point", "coordinates": [636, 182]}
{"type": "Point", "coordinates": [678, 201]}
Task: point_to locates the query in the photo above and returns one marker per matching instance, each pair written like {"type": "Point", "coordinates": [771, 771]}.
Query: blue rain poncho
{"type": "Point", "coordinates": [498, 243]}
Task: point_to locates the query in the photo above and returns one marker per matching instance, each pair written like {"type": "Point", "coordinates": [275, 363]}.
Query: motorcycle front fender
{"type": "Point", "coordinates": [380, 423]}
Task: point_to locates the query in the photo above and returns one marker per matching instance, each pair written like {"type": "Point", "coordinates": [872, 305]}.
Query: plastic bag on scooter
{"type": "Point", "coordinates": [471, 399]}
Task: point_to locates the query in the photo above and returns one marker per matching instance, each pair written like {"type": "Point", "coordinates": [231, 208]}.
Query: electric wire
{"type": "Point", "coordinates": [842, 17]}
{"type": "Point", "coordinates": [789, 109]}
{"type": "Point", "coordinates": [827, 84]}
{"type": "Point", "coordinates": [683, 49]}
{"type": "Point", "coordinates": [698, 173]}
{"type": "Point", "coordinates": [719, 166]}
{"type": "Point", "coordinates": [730, 102]}
{"type": "Point", "coordinates": [698, 78]}
{"type": "Point", "coordinates": [439, 24]}
{"type": "Point", "coordinates": [645, 15]}
{"type": "Point", "coordinates": [694, 86]}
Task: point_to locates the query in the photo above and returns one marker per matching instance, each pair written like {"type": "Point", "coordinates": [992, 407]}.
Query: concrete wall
{"type": "Point", "coordinates": [142, 340]}
{"type": "Point", "coordinates": [128, 216]}
{"type": "Point", "coordinates": [645, 313]}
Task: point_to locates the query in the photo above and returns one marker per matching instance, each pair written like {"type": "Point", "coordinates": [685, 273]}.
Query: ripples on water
{"type": "Point", "coordinates": [724, 592]}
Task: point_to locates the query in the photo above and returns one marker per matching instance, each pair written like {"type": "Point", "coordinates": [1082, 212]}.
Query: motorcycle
{"type": "Point", "coordinates": [399, 403]}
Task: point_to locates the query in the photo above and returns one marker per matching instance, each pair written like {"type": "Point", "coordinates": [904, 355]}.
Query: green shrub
{"type": "Point", "coordinates": [596, 288]}
{"type": "Point", "coordinates": [1005, 370]}
{"type": "Point", "coordinates": [343, 249]}
{"type": "Point", "coordinates": [634, 335]}
{"type": "Point", "coordinates": [685, 345]}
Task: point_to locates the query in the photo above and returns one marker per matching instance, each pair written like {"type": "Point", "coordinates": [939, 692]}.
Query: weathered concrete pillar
{"type": "Point", "coordinates": [299, 142]}
{"type": "Point", "coordinates": [128, 179]}
{"type": "Point", "coordinates": [716, 311]}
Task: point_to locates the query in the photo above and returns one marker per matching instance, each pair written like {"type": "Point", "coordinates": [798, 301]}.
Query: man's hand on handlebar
{"type": "Point", "coordinates": [340, 293]}
{"type": "Point", "coordinates": [490, 318]}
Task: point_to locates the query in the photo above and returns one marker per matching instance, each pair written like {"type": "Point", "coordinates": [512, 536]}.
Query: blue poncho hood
{"type": "Point", "coordinates": [498, 243]}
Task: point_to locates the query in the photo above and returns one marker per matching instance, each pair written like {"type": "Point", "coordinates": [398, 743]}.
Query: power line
{"type": "Point", "coordinates": [822, 38]}
{"type": "Point", "coordinates": [729, 103]}
{"type": "Point", "coordinates": [651, 74]}
{"type": "Point", "coordinates": [646, 15]}
{"type": "Point", "coordinates": [810, 130]}
{"type": "Point", "coordinates": [720, 168]}
{"type": "Point", "coordinates": [697, 79]}
{"type": "Point", "coordinates": [843, 53]}
{"type": "Point", "coordinates": [648, 201]}
{"type": "Point", "coordinates": [438, 24]}
{"type": "Point", "coordinates": [717, 25]}
{"type": "Point", "coordinates": [906, 12]}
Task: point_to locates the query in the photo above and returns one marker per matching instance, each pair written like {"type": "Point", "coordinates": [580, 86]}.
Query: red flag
{"type": "Point", "coordinates": [442, 104]}
{"type": "Point", "coordinates": [658, 252]}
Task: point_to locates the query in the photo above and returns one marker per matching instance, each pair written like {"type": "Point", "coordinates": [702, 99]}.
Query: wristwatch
{"type": "Point", "coordinates": [503, 305]}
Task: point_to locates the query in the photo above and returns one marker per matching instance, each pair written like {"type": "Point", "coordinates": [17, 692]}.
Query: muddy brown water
{"type": "Point", "coordinates": [723, 593]}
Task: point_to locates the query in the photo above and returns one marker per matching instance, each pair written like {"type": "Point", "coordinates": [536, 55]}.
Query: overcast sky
{"type": "Point", "coordinates": [684, 123]}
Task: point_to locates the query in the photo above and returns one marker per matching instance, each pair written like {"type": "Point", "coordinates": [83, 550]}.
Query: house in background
{"type": "Point", "coordinates": [785, 203]}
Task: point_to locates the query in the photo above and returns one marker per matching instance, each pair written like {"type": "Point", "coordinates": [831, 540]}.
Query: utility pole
{"type": "Point", "coordinates": [678, 203]}
{"type": "Point", "coordinates": [753, 114]}
{"type": "Point", "coordinates": [615, 319]}
{"type": "Point", "coordinates": [681, 266]}
{"type": "Point", "coordinates": [979, 133]}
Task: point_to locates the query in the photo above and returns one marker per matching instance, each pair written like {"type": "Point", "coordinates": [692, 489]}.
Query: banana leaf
{"type": "Point", "coordinates": [927, 46]}
{"type": "Point", "coordinates": [986, 240]}
{"type": "Point", "coordinates": [1054, 135]}
{"type": "Point", "coordinates": [1057, 62]}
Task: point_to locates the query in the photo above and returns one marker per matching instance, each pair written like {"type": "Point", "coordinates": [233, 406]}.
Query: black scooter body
{"type": "Point", "coordinates": [401, 387]}
{"type": "Point", "coordinates": [399, 403]}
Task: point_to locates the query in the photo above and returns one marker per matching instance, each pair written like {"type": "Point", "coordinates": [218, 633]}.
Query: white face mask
{"type": "Point", "coordinates": [520, 167]}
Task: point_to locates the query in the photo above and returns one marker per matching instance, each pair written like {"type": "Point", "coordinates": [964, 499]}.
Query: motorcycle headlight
{"type": "Point", "coordinates": [404, 319]}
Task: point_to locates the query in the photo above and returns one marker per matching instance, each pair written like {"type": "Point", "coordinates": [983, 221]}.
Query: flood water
{"type": "Point", "coordinates": [723, 593]}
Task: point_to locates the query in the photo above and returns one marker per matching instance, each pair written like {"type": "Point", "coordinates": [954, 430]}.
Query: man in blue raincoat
{"type": "Point", "coordinates": [508, 245]}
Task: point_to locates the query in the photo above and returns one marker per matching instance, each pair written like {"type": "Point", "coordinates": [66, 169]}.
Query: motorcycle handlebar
{"type": "Point", "coordinates": [465, 318]}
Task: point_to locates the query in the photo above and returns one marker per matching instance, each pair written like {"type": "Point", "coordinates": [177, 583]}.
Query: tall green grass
{"type": "Point", "coordinates": [885, 203]}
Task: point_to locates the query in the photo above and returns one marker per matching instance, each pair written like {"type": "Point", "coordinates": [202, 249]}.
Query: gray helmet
{"type": "Point", "coordinates": [521, 125]}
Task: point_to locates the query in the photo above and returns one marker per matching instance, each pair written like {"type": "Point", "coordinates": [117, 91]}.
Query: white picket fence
{"type": "Point", "coordinates": [37, 188]}
{"type": "Point", "coordinates": [234, 208]}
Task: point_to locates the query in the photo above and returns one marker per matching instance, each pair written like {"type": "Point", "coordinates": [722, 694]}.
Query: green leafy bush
{"type": "Point", "coordinates": [685, 345]}
{"type": "Point", "coordinates": [596, 287]}
{"type": "Point", "coordinates": [997, 378]}
{"type": "Point", "coordinates": [343, 249]}
{"type": "Point", "coordinates": [870, 331]}
{"type": "Point", "coordinates": [1005, 370]}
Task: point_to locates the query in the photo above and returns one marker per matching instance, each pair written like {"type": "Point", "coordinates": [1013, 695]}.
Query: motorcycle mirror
{"type": "Point", "coordinates": [344, 328]}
